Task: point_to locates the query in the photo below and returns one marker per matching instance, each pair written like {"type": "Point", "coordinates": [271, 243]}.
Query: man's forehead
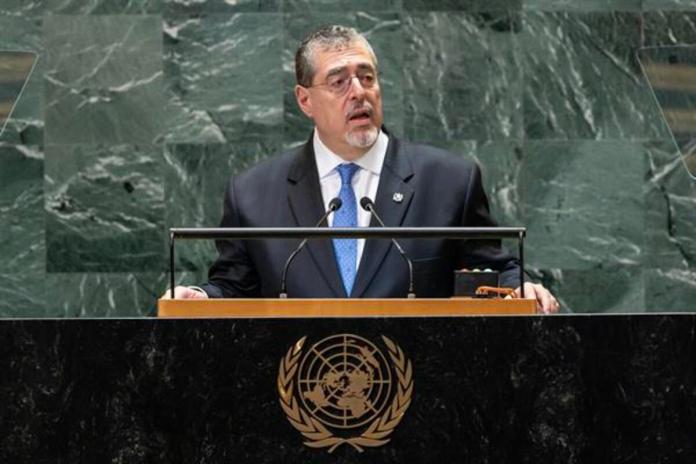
{"type": "Point", "coordinates": [328, 60]}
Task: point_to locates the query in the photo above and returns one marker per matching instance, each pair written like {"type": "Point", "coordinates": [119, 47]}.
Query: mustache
{"type": "Point", "coordinates": [364, 107]}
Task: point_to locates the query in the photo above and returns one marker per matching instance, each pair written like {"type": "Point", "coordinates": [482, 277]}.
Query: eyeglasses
{"type": "Point", "coordinates": [338, 84]}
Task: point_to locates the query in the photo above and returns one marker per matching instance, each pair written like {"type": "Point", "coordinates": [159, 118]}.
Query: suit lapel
{"type": "Point", "coordinates": [393, 179]}
{"type": "Point", "coordinates": [307, 206]}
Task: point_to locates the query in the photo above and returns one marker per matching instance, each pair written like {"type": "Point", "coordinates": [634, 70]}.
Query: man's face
{"type": "Point", "coordinates": [349, 120]}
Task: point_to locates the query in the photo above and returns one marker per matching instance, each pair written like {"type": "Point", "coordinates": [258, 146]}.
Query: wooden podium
{"type": "Point", "coordinates": [291, 308]}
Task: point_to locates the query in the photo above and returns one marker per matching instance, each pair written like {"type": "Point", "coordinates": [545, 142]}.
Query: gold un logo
{"type": "Point", "coordinates": [343, 390]}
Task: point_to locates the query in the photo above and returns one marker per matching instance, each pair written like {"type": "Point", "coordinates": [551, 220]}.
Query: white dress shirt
{"type": "Point", "coordinates": [365, 180]}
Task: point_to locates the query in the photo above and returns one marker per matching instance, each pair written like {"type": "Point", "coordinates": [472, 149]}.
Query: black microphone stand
{"type": "Point", "coordinates": [334, 205]}
{"type": "Point", "coordinates": [368, 205]}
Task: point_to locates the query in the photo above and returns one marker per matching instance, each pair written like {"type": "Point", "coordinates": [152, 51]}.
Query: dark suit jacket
{"type": "Point", "coordinates": [439, 190]}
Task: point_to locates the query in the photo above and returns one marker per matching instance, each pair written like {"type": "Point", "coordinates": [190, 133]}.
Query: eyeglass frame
{"type": "Point", "coordinates": [364, 68]}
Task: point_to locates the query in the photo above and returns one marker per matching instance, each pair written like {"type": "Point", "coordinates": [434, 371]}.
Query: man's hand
{"type": "Point", "coordinates": [184, 293]}
{"type": "Point", "coordinates": [546, 302]}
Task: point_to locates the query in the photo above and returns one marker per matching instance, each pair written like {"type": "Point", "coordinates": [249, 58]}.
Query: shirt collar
{"type": "Point", "coordinates": [372, 160]}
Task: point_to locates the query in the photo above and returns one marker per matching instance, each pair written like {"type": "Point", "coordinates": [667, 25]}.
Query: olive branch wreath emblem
{"type": "Point", "coordinates": [317, 435]}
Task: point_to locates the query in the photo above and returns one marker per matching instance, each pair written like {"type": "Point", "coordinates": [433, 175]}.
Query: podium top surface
{"type": "Point", "coordinates": [364, 307]}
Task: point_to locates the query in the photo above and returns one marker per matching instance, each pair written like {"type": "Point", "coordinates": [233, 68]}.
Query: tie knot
{"type": "Point", "coordinates": [346, 171]}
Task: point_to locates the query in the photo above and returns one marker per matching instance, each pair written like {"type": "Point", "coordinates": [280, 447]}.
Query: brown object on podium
{"type": "Point", "coordinates": [363, 307]}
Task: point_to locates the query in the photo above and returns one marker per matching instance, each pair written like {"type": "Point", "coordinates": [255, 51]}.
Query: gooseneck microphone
{"type": "Point", "coordinates": [334, 205]}
{"type": "Point", "coordinates": [369, 206]}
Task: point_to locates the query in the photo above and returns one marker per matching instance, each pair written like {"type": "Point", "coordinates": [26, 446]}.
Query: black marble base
{"type": "Point", "coordinates": [499, 390]}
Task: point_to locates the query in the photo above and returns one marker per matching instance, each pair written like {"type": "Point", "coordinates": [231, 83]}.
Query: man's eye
{"type": "Point", "coordinates": [337, 82]}
{"type": "Point", "coordinates": [367, 78]}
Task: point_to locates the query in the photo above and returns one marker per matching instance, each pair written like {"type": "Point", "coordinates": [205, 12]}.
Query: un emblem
{"type": "Point", "coordinates": [344, 390]}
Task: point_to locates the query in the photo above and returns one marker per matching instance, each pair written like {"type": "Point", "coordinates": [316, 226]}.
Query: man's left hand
{"type": "Point", "coordinates": [546, 302]}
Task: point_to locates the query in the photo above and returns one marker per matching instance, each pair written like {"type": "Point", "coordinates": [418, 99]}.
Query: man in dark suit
{"type": "Point", "coordinates": [350, 155]}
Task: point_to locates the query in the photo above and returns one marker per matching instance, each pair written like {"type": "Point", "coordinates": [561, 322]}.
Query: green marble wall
{"type": "Point", "coordinates": [139, 110]}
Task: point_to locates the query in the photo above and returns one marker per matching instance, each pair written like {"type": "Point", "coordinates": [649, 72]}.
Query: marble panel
{"type": "Point", "coordinates": [666, 5]}
{"type": "Point", "coordinates": [22, 8]}
{"type": "Point", "coordinates": [202, 7]}
{"type": "Point", "coordinates": [670, 210]}
{"type": "Point", "coordinates": [670, 290]}
{"type": "Point", "coordinates": [104, 208]}
{"type": "Point", "coordinates": [333, 5]}
{"type": "Point", "coordinates": [383, 30]}
{"type": "Point", "coordinates": [103, 80]}
{"type": "Point", "coordinates": [500, 164]}
{"type": "Point", "coordinates": [462, 79]}
{"type": "Point", "coordinates": [462, 5]}
{"type": "Point", "coordinates": [195, 180]}
{"type": "Point", "coordinates": [610, 289]}
{"type": "Point", "coordinates": [669, 28]}
{"type": "Point", "coordinates": [109, 295]}
{"type": "Point", "coordinates": [224, 77]}
{"type": "Point", "coordinates": [104, 294]}
{"type": "Point", "coordinates": [102, 7]}
{"type": "Point", "coordinates": [22, 247]}
{"type": "Point", "coordinates": [583, 6]}
{"type": "Point", "coordinates": [582, 78]}
{"type": "Point", "coordinates": [26, 125]}
{"type": "Point", "coordinates": [583, 203]}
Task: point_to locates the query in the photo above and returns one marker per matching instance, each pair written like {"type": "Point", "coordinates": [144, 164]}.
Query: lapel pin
{"type": "Point", "coordinates": [398, 197]}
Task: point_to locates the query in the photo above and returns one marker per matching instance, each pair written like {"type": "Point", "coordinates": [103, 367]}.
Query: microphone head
{"type": "Point", "coordinates": [335, 204]}
{"type": "Point", "coordinates": [366, 203]}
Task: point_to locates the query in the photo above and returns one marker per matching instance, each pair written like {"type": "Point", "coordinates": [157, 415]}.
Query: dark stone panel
{"type": "Point", "coordinates": [22, 247]}
{"type": "Point", "coordinates": [26, 124]}
{"type": "Point", "coordinates": [104, 208]}
{"type": "Point", "coordinates": [103, 80]}
{"type": "Point", "coordinates": [505, 390]}
{"type": "Point", "coordinates": [102, 7]}
{"type": "Point", "coordinates": [202, 7]}
{"type": "Point", "coordinates": [582, 6]}
{"type": "Point", "coordinates": [462, 5]}
{"type": "Point", "coordinates": [332, 5]}
{"type": "Point", "coordinates": [224, 77]}
{"type": "Point", "coordinates": [462, 79]}
{"type": "Point", "coordinates": [582, 80]}
{"type": "Point", "coordinates": [383, 30]}
{"type": "Point", "coordinates": [670, 210]}
{"type": "Point", "coordinates": [670, 290]}
{"type": "Point", "coordinates": [583, 203]}
{"type": "Point", "coordinates": [195, 180]}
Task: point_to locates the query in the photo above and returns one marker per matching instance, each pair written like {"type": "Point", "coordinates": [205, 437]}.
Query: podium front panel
{"type": "Point", "coordinates": [502, 389]}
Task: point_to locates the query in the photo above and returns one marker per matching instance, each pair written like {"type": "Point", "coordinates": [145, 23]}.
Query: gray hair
{"type": "Point", "coordinates": [325, 38]}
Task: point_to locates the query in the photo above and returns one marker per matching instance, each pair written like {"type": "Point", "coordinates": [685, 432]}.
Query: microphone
{"type": "Point", "coordinates": [369, 206]}
{"type": "Point", "coordinates": [334, 205]}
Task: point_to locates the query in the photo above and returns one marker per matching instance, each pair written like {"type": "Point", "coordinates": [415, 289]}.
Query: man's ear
{"type": "Point", "coordinates": [303, 100]}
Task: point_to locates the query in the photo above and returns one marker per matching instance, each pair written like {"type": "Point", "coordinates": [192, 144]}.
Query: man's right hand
{"type": "Point", "coordinates": [184, 293]}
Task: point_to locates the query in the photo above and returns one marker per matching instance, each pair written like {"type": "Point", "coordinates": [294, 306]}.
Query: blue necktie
{"type": "Point", "coordinates": [346, 249]}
